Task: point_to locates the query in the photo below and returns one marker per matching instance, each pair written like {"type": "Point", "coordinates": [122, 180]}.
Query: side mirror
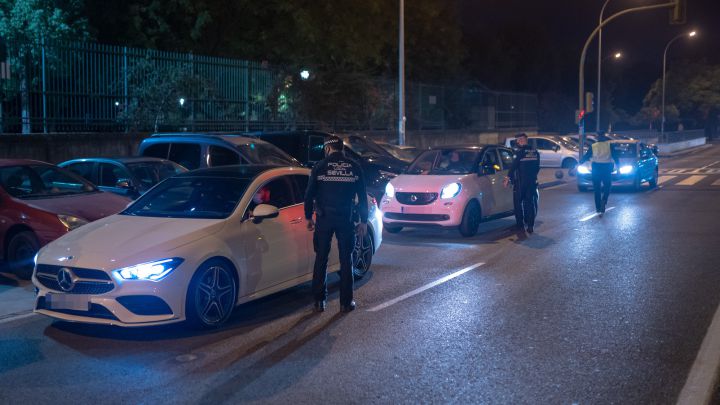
{"type": "Point", "coordinates": [124, 183]}
{"type": "Point", "coordinates": [556, 148]}
{"type": "Point", "coordinates": [264, 211]}
{"type": "Point", "coordinates": [486, 169]}
{"type": "Point", "coordinates": [655, 149]}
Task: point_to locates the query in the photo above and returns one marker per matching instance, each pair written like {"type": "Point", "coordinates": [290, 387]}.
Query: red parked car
{"type": "Point", "coordinates": [40, 202]}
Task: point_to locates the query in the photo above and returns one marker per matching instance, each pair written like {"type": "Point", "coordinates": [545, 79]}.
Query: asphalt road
{"type": "Point", "coordinates": [588, 310]}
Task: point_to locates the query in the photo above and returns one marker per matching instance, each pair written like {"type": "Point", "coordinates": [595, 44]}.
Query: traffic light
{"type": "Point", "coordinates": [579, 115]}
{"type": "Point", "coordinates": [678, 14]}
{"type": "Point", "coordinates": [589, 102]}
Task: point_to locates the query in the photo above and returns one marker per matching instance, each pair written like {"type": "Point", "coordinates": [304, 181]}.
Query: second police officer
{"type": "Point", "coordinates": [334, 185]}
{"type": "Point", "coordinates": [523, 176]}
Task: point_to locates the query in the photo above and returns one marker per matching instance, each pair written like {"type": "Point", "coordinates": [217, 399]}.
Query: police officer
{"type": "Point", "coordinates": [602, 158]}
{"type": "Point", "coordinates": [334, 184]}
{"type": "Point", "coordinates": [523, 176]}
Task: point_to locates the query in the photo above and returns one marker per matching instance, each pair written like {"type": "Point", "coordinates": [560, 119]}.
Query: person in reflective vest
{"type": "Point", "coordinates": [603, 162]}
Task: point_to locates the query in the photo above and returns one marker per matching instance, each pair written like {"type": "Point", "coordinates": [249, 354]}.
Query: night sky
{"type": "Point", "coordinates": [642, 37]}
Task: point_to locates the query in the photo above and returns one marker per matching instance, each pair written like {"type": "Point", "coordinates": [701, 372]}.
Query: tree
{"type": "Point", "coordinates": [25, 25]}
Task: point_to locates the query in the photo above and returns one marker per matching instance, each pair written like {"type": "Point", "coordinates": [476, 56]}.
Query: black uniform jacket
{"type": "Point", "coordinates": [334, 183]}
{"type": "Point", "coordinates": [525, 167]}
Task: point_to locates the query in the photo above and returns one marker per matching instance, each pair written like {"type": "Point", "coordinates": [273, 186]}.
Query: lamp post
{"type": "Point", "coordinates": [599, 69]}
{"type": "Point", "coordinates": [401, 75]}
{"type": "Point", "coordinates": [667, 47]}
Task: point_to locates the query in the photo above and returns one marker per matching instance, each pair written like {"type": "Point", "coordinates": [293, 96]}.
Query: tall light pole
{"type": "Point", "coordinates": [690, 35]}
{"type": "Point", "coordinates": [401, 76]}
{"type": "Point", "coordinates": [599, 74]}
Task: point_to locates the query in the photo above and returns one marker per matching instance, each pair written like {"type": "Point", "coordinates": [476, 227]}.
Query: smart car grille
{"type": "Point", "coordinates": [416, 198]}
{"type": "Point", "coordinates": [96, 310]}
{"type": "Point", "coordinates": [90, 281]}
{"type": "Point", "coordinates": [416, 217]}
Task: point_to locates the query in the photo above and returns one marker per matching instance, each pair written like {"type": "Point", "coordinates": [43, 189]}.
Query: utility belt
{"type": "Point", "coordinates": [351, 214]}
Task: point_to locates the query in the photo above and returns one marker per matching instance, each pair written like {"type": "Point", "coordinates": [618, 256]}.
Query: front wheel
{"type": "Point", "coordinates": [654, 181]}
{"type": "Point", "coordinates": [470, 220]}
{"type": "Point", "coordinates": [362, 255]}
{"type": "Point", "coordinates": [569, 163]}
{"type": "Point", "coordinates": [637, 183]}
{"type": "Point", "coordinates": [21, 250]}
{"type": "Point", "coordinates": [211, 296]}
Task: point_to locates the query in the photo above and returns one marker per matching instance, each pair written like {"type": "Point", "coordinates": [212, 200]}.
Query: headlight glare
{"type": "Point", "coordinates": [583, 169]}
{"type": "Point", "coordinates": [626, 169]}
{"type": "Point", "coordinates": [153, 271]}
{"type": "Point", "coordinates": [389, 191]}
{"type": "Point", "coordinates": [71, 222]}
{"type": "Point", "coordinates": [450, 191]}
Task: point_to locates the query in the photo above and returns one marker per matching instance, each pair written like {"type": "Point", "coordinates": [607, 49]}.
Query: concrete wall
{"type": "Point", "coordinates": [425, 139]}
{"type": "Point", "coordinates": [666, 148]}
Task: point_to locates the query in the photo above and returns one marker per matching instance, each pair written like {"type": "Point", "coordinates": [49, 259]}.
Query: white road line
{"type": "Point", "coordinates": [425, 287]}
{"type": "Point", "coordinates": [591, 216]}
{"type": "Point", "coordinates": [663, 179]}
{"type": "Point", "coordinates": [700, 384]}
{"type": "Point", "coordinates": [710, 165]}
{"type": "Point", "coordinates": [692, 180]}
{"type": "Point", "coordinates": [15, 317]}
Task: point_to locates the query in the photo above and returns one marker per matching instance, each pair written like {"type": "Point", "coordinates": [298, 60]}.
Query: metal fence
{"type": "Point", "coordinates": [88, 87]}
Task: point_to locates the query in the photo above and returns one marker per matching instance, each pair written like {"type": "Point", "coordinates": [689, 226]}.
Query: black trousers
{"type": "Point", "coordinates": [344, 231]}
{"type": "Point", "coordinates": [602, 182]}
{"type": "Point", "coordinates": [525, 202]}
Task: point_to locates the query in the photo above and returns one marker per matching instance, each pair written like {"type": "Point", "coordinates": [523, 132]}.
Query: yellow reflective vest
{"type": "Point", "coordinates": [601, 152]}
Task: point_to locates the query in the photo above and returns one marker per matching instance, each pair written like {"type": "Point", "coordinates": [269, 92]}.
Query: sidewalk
{"type": "Point", "coordinates": [16, 296]}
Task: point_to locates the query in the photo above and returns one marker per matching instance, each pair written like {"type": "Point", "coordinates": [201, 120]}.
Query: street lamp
{"type": "Point", "coordinates": [667, 47]}
{"type": "Point", "coordinates": [599, 70]}
{"type": "Point", "coordinates": [304, 74]}
{"type": "Point", "coordinates": [618, 55]}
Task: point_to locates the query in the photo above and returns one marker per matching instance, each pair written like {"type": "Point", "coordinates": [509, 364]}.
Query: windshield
{"type": "Point", "coordinates": [42, 181]}
{"type": "Point", "coordinates": [191, 197]}
{"type": "Point", "coordinates": [624, 150]}
{"type": "Point", "coordinates": [265, 153]}
{"type": "Point", "coordinates": [149, 174]}
{"type": "Point", "coordinates": [567, 143]}
{"type": "Point", "coordinates": [365, 147]}
{"type": "Point", "coordinates": [406, 154]}
{"type": "Point", "coordinates": [448, 161]}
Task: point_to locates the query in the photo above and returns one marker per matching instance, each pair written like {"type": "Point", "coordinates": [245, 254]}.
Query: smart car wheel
{"type": "Point", "coordinates": [362, 256]}
{"type": "Point", "coordinates": [471, 219]}
{"type": "Point", "coordinates": [211, 295]}
{"type": "Point", "coordinates": [21, 250]}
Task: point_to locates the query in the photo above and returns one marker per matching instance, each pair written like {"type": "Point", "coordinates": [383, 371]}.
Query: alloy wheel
{"type": "Point", "coordinates": [215, 295]}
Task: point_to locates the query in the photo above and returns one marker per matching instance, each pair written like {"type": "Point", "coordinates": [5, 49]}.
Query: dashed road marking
{"type": "Point", "coordinates": [690, 181]}
{"type": "Point", "coordinates": [664, 179]}
{"type": "Point", "coordinates": [425, 287]}
{"type": "Point", "coordinates": [701, 382]}
{"type": "Point", "coordinates": [593, 215]}
{"type": "Point", "coordinates": [711, 164]}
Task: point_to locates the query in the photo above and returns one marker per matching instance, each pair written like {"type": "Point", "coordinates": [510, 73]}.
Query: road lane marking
{"type": "Point", "coordinates": [716, 183]}
{"type": "Point", "coordinates": [690, 181]}
{"type": "Point", "coordinates": [711, 164]}
{"type": "Point", "coordinates": [425, 287]}
{"type": "Point", "coordinates": [593, 215]}
{"type": "Point", "coordinates": [700, 384]}
{"type": "Point", "coordinates": [663, 179]}
{"type": "Point", "coordinates": [16, 316]}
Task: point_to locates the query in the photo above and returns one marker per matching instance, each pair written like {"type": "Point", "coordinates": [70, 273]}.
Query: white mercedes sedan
{"type": "Point", "coordinates": [192, 248]}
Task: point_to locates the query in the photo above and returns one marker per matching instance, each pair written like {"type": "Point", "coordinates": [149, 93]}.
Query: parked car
{"type": "Point", "coordinates": [406, 153]}
{"type": "Point", "coordinates": [194, 150]}
{"type": "Point", "coordinates": [450, 187]}
{"type": "Point", "coordinates": [638, 164]}
{"type": "Point", "coordinates": [554, 151]}
{"type": "Point", "coordinates": [126, 176]}
{"type": "Point", "coordinates": [305, 146]}
{"type": "Point", "coordinates": [40, 202]}
{"type": "Point", "coordinates": [192, 248]}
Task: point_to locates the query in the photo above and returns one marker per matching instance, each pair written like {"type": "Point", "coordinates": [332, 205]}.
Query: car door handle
{"type": "Point", "coordinates": [296, 221]}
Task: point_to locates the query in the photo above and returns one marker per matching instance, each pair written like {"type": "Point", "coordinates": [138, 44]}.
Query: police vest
{"type": "Point", "coordinates": [601, 152]}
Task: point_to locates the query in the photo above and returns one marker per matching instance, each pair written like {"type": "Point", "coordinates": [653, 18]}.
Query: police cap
{"type": "Point", "coordinates": [333, 142]}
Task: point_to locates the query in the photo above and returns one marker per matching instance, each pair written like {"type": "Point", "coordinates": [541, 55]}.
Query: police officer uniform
{"type": "Point", "coordinates": [601, 156]}
{"type": "Point", "coordinates": [523, 175]}
{"type": "Point", "coordinates": [334, 184]}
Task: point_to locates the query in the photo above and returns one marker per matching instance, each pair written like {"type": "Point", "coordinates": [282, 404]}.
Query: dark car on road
{"type": "Point", "coordinates": [200, 150]}
{"type": "Point", "coordinates": [127, 176]}
{"type": "Point", "coordinates": [638, 164]}
{"type": "Point", "coordinates": [40, 202]}
{"type": "Point", "coordinates": [378, 165]}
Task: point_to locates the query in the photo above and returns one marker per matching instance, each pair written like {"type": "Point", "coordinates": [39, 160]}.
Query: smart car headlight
{"type": "Point", "coordinates": [389, 191]}
{"type": "Point", "coordinates": [626, 169]}
{"type": "Point", "coordinates": [153, 271]}
{"type": "Point", "coordinates": [71, 222]}
{"type": "Point", "coordinates": [450, 191]}
{"type": "Point", "coordinates": [583, 169]}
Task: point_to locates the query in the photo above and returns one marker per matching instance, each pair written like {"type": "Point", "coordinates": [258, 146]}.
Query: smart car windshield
{"type": "Point", "coordinates": [41, 181]}
{"type": "Point", "coordinates": [446, 161]}
{"type": "Point", "coordinates": [191, 197]}
{"type": "Point", "coordinates": [624, 150]}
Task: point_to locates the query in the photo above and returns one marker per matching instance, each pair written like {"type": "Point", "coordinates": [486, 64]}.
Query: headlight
{"type": "Point", "coordinates": [450, 191]}
{"type": "Point", "coordinates": [71, 222]}
{"type": "Point", "coordinates": [153, 271]}
{"type": "Point", "coordinates": [35, 258]}
{"type": "Point", "coordinates": [390, 191]}
{"type": "Point", "coordinates": [626, 169]}
{"type": "Point", "coordinates": [582, 169]}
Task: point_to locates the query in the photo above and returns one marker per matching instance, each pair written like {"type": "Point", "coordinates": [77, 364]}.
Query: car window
{"type": "Point", "coordinates": [41, 181]}
{"type": "Point", "coordinates": [110, 174]}
{"type": "Point", "coordinates": [279, 193]}
{"type": "Point", "coordinates": [315, 149]}
{"type": "Point", "coordinates": [147, 174]}
{"type": "Point", "coordinates": [158, 150]}
{"type": "Point", "coordinates": [513, 144]}
{"type": "Point", "coordinates": [186, 154]}
{"type": "Point", "coordinates": [300, 181]}
{"type": "Point", "coordinates": [506, 157]}
{"type": "Point", "coordinates": [490, 159]}
{"type": "Point", "coordinates": [190, 197]}
{"type": "Point", "coordinates": [265, 153]}
{"type": "Point", "coordinates": [624, 150]}
{"type": "Point", "coordinates": [544, 144]}
{"type": "Point", "coordinates": [220, 156]}
{"type": "Point", "coordinates": [84, 170]}
{"type": "Point", "coordinates": [447, 161]}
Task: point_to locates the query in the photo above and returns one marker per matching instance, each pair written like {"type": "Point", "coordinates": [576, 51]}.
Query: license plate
{"type": "Point", "coordinates": [416, 210]}
{"type": "Point", "coordinates": [67, 301]}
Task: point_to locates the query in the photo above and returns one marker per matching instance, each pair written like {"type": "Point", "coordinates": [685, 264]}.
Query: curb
{"type": "Point", "coordinates": [551, 184]}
